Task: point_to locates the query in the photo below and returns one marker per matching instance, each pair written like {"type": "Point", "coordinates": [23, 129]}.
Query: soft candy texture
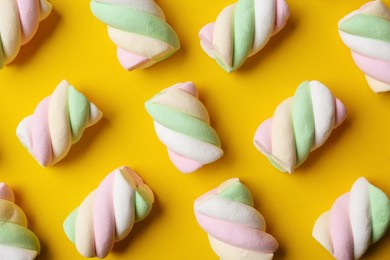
{"type": "Point", "coordinates": [300, 124]}
{"type": "Point", "coordinates": [241, 30]}
{"type": "Point", "coordinates": [58, 122]}
{"type": "Point", "coordinates": [367, 33]}
{"type": "Point", "coordinates": [16, 241]}
{"type": "Point", "coordinates": [139, 30]}
{"type": "Point", "coordinates": [235, 229]}
{"type": "Point", "coordinates": [108, 214]}
{"type": "Point", "coordinates": [182, 124]}
{"type": "Point", "coordinates": [357, 219]}
{"type": "Point", "coordinates": [19, 22]}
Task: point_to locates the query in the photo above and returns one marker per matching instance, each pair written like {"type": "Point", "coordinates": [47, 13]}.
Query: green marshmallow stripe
{"type": "Point", "coordinates": [380, 213]}
{"type": "Point", "coordinates": [142, 205]}
{"type": "Point", "coordinates": [237, 192]}
{"type": "Point", "coordinates": [183, 123]}
{"type": "Point", "coordinates": [129, 19]}
{"type": "Point", "coordinates": [78, 112]}
{"type": "Point", "coordinates": [303, 122]}
{"type": "Point", "coordinates": [367, 26]}
{"type": "Point", "coordinates": [70, 225]}
{"type": "Point", "coordinates": [244, 31]}
{"type": "Point", "coordinates": [18, 236]}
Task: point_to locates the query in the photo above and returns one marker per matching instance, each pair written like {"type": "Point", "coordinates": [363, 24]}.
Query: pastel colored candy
{"type": "Point", "coordinates": [16, 240]}
{"type": "Point", "coordinates": [58, 121]}
{"type": "Point", "coordinates": [241, 30]}
{"type": "Point", "coordinates": [182, 124]}
{"type": "Point", "coordinates": [235, 229]}
{"type": "Point", "coordinates": [357, 219]}
{"type": "Point", "coordinates": [107, 214]}
{"type": "Point", "coordinates": [300, 124]}
{"type": "Point", "coordinates": [139, 30]}
{"type": "Point", "coordinates": [19, 22]}
{"type": "Point", "coordinates": [367, 33]}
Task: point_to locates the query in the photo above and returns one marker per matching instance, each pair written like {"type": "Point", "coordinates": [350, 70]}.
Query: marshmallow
{"type": "Point", "coordinates": [182, 124]}
{"type": "Point", "coordinates": [357, 219]}
{"type": "Point", "coordinates": [107, 214]}
{"type": "Point", "coordinates": [139, 30]}
{"type": "Point", "coordinates": [241, 30]}
{"type": "Point", "coordinates": [367, 33]}
{"type": "Point", "coordinates": [58, 121]}
{"type": "Point", "coordinates": [235, 229]}
{"type": "Point", "coordinates": [300, 124]}
{"type": "Point", "coordinates": [16, 241]}
{"type": "Point", "coordinates": [19, 22]}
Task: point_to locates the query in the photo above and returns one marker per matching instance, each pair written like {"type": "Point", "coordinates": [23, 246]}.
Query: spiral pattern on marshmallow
{"type": "Point", "coordinates": [357, 219]}
{"type": "Point", "coordinates": [182, 124]}
{"type": "Point", "coordinates": [108, 214]}
{"type": "Point", "coordinates": [139, 30]}
{"type": "Point", "coordinates": [236, 230]}
{"type": "Point", "coordinates": [58, 121]}
{"type": "Point", "coordinates": [300, 124]}
{"type": "Point", "coordinates": [16, 241]}
{"type": "Point", "coordinates": [241, 30]}
{"type": "Point", "coordinates": [367, 33]}
{"type": "Point", "coordinates": [19, 22]}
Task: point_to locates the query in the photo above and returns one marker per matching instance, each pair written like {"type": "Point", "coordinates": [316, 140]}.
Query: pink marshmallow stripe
{"type": "Point", "coordinates": [340, 229]}
{"type": "Point", "coordinates": [130, 61]}
{"type": "Point", "coordinates": [238, 235]}
{"type": "Point", "coordinates": [29, 18]}
{"type": "Point", "coordinates": [103, 217]}
{"type": "Point", "coordinates": [377, 69]}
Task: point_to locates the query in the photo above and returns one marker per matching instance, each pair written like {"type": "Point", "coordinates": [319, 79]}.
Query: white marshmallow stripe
{"type": "Point", "coordinates": [19, 22]}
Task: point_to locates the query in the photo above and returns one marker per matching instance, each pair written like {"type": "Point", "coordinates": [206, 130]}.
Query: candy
{"type": "Point", "coordinates": [139, 29]}
{"type": "Point", "coordinates": [300, 125]}
{"type": "Point", "coordinates": [58, 121]}
{"type": "Point", "coordinates": [19, 22]}
{"type": "Point", "coordinates": [182, 124]}
{"type": "Point", "coordinates": [357, 219]}
{"type": "Point", "coordinates": [367, 33]}
{"type": "Point", "coordinates": [241, 30]}
{"type": "Point", "coordinates": [107, 214]}
{"type": "Point", "coordinates": [16, 241]}
{"type": "Point", "coordinates": [235, 229]}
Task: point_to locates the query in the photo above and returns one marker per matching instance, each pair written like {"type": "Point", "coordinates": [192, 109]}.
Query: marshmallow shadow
{"type": "Point", "coordinates": [45, 30]}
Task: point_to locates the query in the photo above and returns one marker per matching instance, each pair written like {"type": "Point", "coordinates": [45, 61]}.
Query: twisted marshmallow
{"type": "Point", "coordinates": [357, 219]}
{"type": "Point", "coordinates": [16, 241]}
{"type": "Point", "coordinates": [107, 214]}
{"type": "Point", "coordinates": [300, 124]}
{"type": "Point", "coordinates": [242, 29]}
{"type": "Point", "coordinates": [139, 29]}
{"type": "Point", "coordinates": [19, 22]}
{"type": "Point", "coordinates": [182, 124]}
{"type": "Point", "coordinates": [367, 33]}
{"type": "Point", "coordinates": [235, 229]}
{"type": "Point", "coordinates": [58, 122]}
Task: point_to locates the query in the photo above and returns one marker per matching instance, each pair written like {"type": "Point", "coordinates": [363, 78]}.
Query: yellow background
{"type": "Point", "coordinates": [72, 44]}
